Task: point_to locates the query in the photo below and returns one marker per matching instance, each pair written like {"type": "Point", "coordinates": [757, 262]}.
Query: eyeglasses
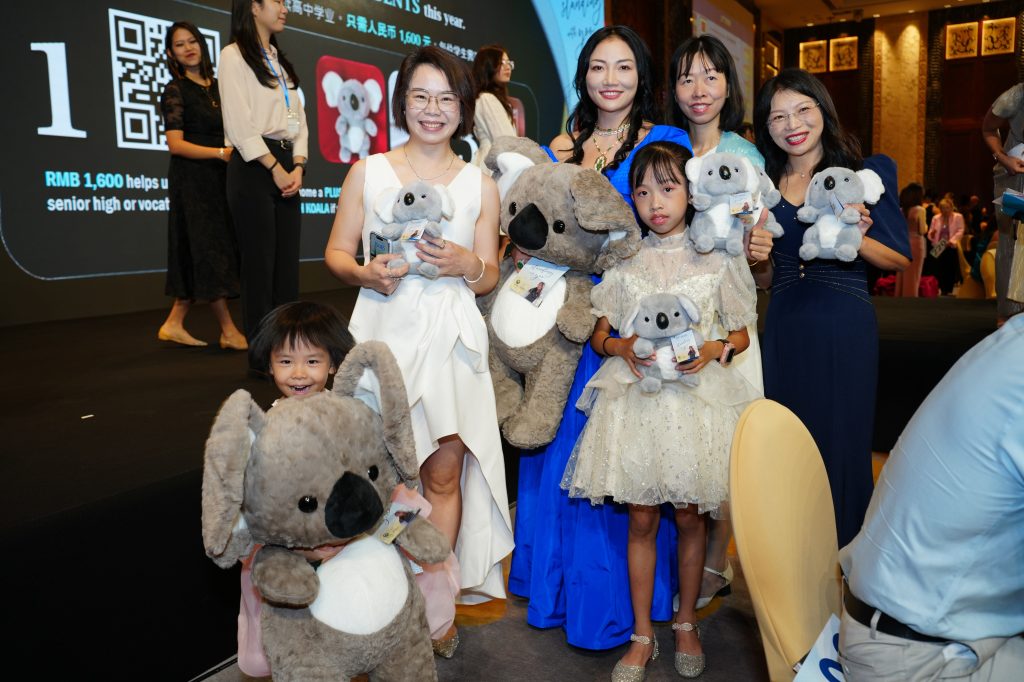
{"type": "Point", "coordinates": [804, 113]}
{"type": "Point", "coordinates": [418, 100]}
{"type": "Point", "coordinates": [509, 63]}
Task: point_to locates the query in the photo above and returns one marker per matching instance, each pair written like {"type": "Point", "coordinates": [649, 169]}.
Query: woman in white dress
{"type": "Point", "coordinates": [432, 325]}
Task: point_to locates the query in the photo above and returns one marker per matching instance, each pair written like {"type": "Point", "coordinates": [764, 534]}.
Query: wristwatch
{"type": "Point", "coordinates": [302, 164]}
{"type": "Point", "coordinates": [728, 350]}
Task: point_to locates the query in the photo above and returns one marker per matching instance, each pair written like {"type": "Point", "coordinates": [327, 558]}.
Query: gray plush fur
{"type": "Point", "coordinates": [713, 180]}
{"type": "Point", "coordinates": [836, 236]}
{"type": "Point", "coordinates": [417, 204]}
{"type": "Point", "coordinates": [336, 449]}
{"type": "Point", "coordinates": [655, 320]}
{"type": "Point", "coordinates": [567, 215]}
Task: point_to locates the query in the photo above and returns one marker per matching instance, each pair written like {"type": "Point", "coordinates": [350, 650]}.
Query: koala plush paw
{"type": "Point", "coordinates": [704, 243]}
{"type": "Point", "coordinates": [809, 251]}
{"type": "Point", "coordinates": [650, 384]}
{"type": "Point", "coordinates": [701, 202]}
{"type": "Point", "coordinates": [643, 348]}
{"type": "Point", "coordinates": [773, 227]}
{"type": "Point", "coordinates": [689, 380]}
{"type": "Point", "coordinates": [807, 214]}
{"type": "Point", "coordinates": [850, 215]}
{"type": "Point", "coordinates": [845, 253]}
{"type": "Point", "coordinates": [734, 247]}
{"type": "Point", "coordinates": [396, 263]}
{"type": "Point", "coordinates": [428, 270]}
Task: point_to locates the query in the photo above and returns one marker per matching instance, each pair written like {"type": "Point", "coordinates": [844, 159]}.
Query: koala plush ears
{"type": "Point", "coordinates": [384, 204]}
{"type": "Point", "coordinates": [509, 157]}
{"type": "Point", "coordinates": [873, 188]}
{"type": "Point", "coordinates": [374, 95]}
{"type": "Point", "coordinates": [598, 207]}
{"type": "Point", "coordinates": [692, 169]}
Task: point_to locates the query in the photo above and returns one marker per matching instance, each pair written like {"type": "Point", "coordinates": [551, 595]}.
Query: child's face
{"type": "Point", "coordinates": [661, 205]}
{"type": "Point", "coordinates": [300, 370]}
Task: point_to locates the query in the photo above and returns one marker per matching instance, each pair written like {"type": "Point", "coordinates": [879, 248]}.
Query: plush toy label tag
{"type": "Point", "coordinates": [684, 345]}
{"type": "Point", "coordinates": [741, 202]}
{"type": "Point", "coordinates": [837, 206]}
{"type": "Point", "coordinates": [412, 232]}
{"type": "Point", "coordinates": [534, 281]}
{"type": "Point", "coordinates": [398, 517]}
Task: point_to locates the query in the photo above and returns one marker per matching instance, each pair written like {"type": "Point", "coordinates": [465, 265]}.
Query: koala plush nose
{"type": "Point", "coordinates": [353, 102]}
{"type": "Point", "coordinates": [529, 229]}
{"type": "Point", "coordinates": [409, 198]}
{"type": "Point", "coordinates": [662, 321]}
{"type": "Point", "coordinates": [830, 183]}
{"type": "Point", "coordinates": [724, 172]}
{"type": "Point", "coordinates": [353, 507]}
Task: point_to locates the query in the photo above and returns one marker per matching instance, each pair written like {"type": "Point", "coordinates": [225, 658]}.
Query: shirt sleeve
{"type": "Point", "coordinates": [301, 142]}
{"type": "Point", "coordinates": [737, 297]}
{"type": "Point", "coordinates": [234, 77]}
{"type": "Point", "coordinates": [1010, 102]}
{"type": "Point", "coordinates": [491, 121]}
{"type": "Point", "coordinates": [606, 298]}
{"type": "Point", "coordinates": [172, 106]}
{"type": "Point", "coordinates": [888, 227]}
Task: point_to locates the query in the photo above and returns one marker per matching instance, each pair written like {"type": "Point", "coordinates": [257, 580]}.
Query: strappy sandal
{"type": "Point", "coordinates": [689, 665]}
{"type": "Point", "coordinates": [724, 590]}
{"type": "Point", "coordinates": [635, 673]}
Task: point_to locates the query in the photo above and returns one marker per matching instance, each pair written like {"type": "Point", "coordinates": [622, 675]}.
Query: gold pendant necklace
{"type": "Point", "coordinates": [413, 168]}
{"type": "Point", "coordinates": [602, 158]}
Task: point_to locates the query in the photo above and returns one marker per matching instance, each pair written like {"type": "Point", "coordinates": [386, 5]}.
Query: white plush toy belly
{"type": "Point", "coordinates": [828, 230]}
{"type": "Point", "coordinates": [665, 361]}
{"type": "Point", "coordinates": [722, 218]}
{"type": "Point", "coordinates": [362, 588]}
{"type": "Point", "coordinates": [517, 322]}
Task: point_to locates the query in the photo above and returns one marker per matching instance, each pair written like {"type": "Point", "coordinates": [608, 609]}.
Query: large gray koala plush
{"type": "Point", "coordinates": [834, 233]}
{"type": "Point", "coordinates": [714, 180]}
{"type": "Point", "coordinates": [416, 205]}
{"type": "Point", "coordinates": [570, 216]}
{"type": "Point", "coordinates": [314, 473]}
{"type": "Point", "coordinates": [655, 320]}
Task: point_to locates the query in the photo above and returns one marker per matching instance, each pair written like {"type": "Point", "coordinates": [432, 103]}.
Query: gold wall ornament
{"type": "Point", "coordinates": [961, 40]}
{"type": "Point", "coordinates": [812, 56]}
{"type": "Point", "coordinates": [997, 36]}
{"type": "Point", "coordinates": [842, 53]}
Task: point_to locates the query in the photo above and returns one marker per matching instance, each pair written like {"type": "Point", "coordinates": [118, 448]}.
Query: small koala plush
{"type": "Point", "coordinates": [417, 205]}
{"type": "Point", "coordinates": [655, 320]}
{"type": "Point", "coordinates": [355, 101]}
{"type": "Point", "coordinates": [718, 182]}
{"type": "Point", "coordinates": [834, 233]}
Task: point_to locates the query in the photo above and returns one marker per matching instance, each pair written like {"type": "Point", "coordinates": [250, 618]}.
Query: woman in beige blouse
{"type": "Point", "coordinates": [492, 70]}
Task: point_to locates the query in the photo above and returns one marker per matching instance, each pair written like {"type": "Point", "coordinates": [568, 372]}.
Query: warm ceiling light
{"type": "Point", "coordinates": [876, 15]}
{"type": "Point", "coordinates": [810, 24]}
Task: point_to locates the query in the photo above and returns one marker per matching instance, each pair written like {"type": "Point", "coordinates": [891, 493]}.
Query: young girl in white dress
{"type": "Point", "coordinates": [432, 326]}
{"type": "Point", "coordinates": [672, 446]}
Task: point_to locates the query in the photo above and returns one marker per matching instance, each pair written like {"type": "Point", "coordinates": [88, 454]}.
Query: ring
{"type": "Point", "coordinates": [444, 243]}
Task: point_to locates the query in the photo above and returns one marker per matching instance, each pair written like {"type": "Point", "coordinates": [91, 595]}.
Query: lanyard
{"type": "Point", "coordinates": [284, 84]}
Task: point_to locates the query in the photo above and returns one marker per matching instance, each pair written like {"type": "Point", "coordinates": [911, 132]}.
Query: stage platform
{"type": "Point", "coordinates": [101, 474]}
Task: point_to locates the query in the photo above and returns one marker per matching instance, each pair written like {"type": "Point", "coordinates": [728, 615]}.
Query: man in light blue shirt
{"type": "Point", "coordinates": [936, 574]}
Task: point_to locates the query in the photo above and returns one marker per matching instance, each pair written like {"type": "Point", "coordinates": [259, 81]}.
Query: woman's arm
{"type": "Point", "coordinates": [561, 147]}
{"type": "Point", "coordinates": [990, 126]}
{"type": "Point", "coordinates": [933, 230]}
{"type": "Point", "coordinates": [956, 228]}
{"type": "Point", "coordinates": [881, 256]}
{"type": "Point", "coordinates": [179, 146]}
{"type": "Point", "coordinates": [342, 245]}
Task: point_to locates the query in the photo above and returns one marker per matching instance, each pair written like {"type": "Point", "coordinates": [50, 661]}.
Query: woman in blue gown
{"type": "Point", "coordinates": [570, 556]}
{"type": "Point", "coordinates": [820, 343]}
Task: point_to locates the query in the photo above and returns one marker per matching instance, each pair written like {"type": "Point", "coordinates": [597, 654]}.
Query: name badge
{"type": "Point", "coordinates": [293, 123]}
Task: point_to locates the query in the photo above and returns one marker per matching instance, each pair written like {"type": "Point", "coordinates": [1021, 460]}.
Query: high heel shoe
{"type": "Point", "coordinates": [689, 665]}
{"type": "Point", "coordinates": [233, 343]}
{"type": "Point", "coordinates": [635, 673]}
{"type": "Point", "coordinates": [724, 590]}
{"type": "Point", "coordinates": [182, 337]}
{"type": "Point", "coordinates": [445, 648]}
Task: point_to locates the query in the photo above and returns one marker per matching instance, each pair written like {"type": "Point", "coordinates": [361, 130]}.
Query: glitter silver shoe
{"type": "Point", "coordinates": [445, 648]}
{"type": "Point", "coordinates": [689, 665]}
{"type": "Point", "coordinates": [635, 673]}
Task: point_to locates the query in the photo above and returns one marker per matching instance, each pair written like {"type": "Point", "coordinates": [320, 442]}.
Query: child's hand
{"type": "Point", "coordinates": [709, 352]}
{"type": "Point", "coordinates": [624, 349]}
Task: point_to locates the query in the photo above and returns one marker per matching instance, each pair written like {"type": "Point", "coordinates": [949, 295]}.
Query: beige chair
{"type": "Point", "coordinates": [785, 532]}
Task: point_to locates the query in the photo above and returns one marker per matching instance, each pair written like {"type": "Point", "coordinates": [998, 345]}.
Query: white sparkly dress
{"type": "Point", "coordinates": [437, 335]}
{"type": "Point", "coordinates": [672, 446]}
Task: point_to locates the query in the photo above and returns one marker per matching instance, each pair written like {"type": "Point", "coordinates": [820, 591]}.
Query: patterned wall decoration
{"type": "Point", "coordinates": [997, 36]}
{"type": "Point", "coordinates": [812, 56]}
{"type": "Point", "coordinates": [961, 40]}
{"type": "Point", "coordinates": [842, 54]}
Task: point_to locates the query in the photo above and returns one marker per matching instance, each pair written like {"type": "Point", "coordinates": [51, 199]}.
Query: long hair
{"type": "Point", "coordinates": [710, 50]}
{"type": "Point", "coordinates": [315, 324]}
{"type": "Point", "coordinates": [205, 65]}
{"type": "Point", "coordinates": [455, 72]}
{"type": "Point", "coordinates": [838, 147]}
{"type": "Point", "coordinates": [581, 123]}
{"type": "Point", "coordinates": [910, 196]}
{"type": "Point", "coordinates": [486, 65]}
{"type": "Point", "coordinates": [667, 160]}
{"type": "Point", "coordinates": [245, 35]}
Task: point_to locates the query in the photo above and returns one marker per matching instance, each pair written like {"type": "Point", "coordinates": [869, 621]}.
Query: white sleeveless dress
{"type": "Point", "coordinates": [439, 338]}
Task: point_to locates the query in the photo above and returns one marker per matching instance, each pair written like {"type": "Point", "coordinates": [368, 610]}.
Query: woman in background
{"type": "Point", "coordinates": [492, 117]}
{"type": "Point", "coordinates": [944, 234]}
{"type": "Point", "coordinates": [911, 200]}
{"type": "Point", "coordinates": [202, 256]}
{"type": "Point", "coordinates": [265, 121]}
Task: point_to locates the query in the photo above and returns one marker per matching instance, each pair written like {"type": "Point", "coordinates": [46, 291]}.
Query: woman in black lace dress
{"type": "Point", "coordinates": [202, 256]}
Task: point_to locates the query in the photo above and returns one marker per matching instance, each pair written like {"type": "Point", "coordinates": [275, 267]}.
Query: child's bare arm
{"type": "Point", "coordinates": [605, 344]}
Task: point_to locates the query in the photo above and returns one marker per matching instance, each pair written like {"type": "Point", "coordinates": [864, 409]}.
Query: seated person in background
{"type": "Point", "coordinates": [936, 575]}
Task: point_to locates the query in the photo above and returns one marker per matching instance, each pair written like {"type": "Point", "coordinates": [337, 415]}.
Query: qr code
{"type": "Point", "coordinates": [139, 65]}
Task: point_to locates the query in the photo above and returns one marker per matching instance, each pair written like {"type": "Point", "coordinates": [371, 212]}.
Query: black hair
{"type": "Point", "coordinates": [713, 51]}
{"type": "Point", "coordinates": [485, 65]}
{"type": "Point", "coordinates": [205, 65]}
{"type": "Point", "coordinates": [244, 34]}
{"type": "Point", "coordinates": [583, 119]}
{"type": "Point", "coordinates": [454, 70]}
{"type": "Point", "coordinates": [838, 147]}
{"type": "Point", "coordinates": [315, 324]}
{"type": "Point", "coordinates": [910, 196]}
{"type": "Point", "coordinates": [668, 162]}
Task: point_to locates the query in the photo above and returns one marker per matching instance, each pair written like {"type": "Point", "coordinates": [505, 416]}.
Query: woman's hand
{"type": "Point", "coordinates": [451, 259]}
{"type": "Point", "coordinates": [865, 218]}
{"type": "Point", "coordinates": [519, 258]}
{"type": "Point", "coordinates": [225, 156]}
{"type": "Point", "coordinates": [759, 240]}
{"type": "Point", "coordinates": [709, 352]}
{"type": "Point", "coordinates": [378, 276]}
{"type": "Point", "coordinates": [624, 349]}
{"type": "Point", "coordinates": [288, 183]}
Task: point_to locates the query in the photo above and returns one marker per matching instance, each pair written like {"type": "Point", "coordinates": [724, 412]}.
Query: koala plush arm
{"type": "Point", "coordinates": [808, 214]}
{"type": "Point", "coordinates": [424, 543]}
{"type": "Point", "coordinates": [575, 320]}
{"type": "Point", "coordinates": [284, 577]}
{"type": "Point", "coordinates": [371, 127]}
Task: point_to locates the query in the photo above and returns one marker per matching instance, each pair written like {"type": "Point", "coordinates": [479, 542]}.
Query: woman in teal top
{"type": "Point", "coordinates": [708, 104]}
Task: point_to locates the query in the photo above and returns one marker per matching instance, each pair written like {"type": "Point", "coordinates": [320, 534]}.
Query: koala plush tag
{"type": "Point", "coordinates": [837, 206]}
{"type": "Point", "coordinates": [394, 522]}
{"type": "Point", "coordinates": [685, 346]}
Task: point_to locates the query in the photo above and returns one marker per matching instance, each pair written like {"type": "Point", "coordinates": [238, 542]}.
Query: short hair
{"type": "Point", "coordinates": [714, 51]}
{"type": "Point", "coordinates": [454, 70]}
{"type": "Point", "coordinates": [315, 324]}
{"type": "Point", "coordinates": [205, 65]}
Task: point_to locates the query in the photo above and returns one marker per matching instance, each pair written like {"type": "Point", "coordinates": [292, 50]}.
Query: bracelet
{"type": "Point", "coordinates": [276, 164]}
{"type": "Point", "coordinates": [752, 263]}
{"type": "Point", "coordinates": [604, 351]}
{"type": "Point", "coordinates": [220, 152]}
{"type": "Point", "coordinates": [483, 269]}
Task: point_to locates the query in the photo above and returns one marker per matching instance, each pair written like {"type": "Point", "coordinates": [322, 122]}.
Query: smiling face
{"type": "Point", "coordinates": [299, 369]}
{"type": "Point", "coordinates": [612, 76]}
{"type": "Point", "coordinates": [661, 203]}
{"type": "Point", "coordinates": [269, 15]}
{"type": "Point", "coordinates": [185, 49]}
{"type": "Point", "coordinates": [702, 93]}
{"type": "Point", "coordinates": [438, 120]}
{"type": "Point", "coordinates": [795, 123]}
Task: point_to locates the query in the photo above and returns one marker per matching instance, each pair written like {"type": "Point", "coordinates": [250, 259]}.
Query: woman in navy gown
{"type": "Point", "coordinates": [821, 337]}
{"type": "Point", "coordinates": [570, 556]}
